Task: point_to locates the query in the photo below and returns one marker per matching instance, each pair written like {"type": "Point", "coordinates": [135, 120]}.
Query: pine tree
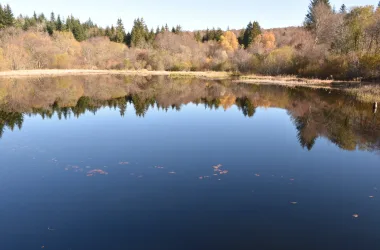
{"type": "Point", "coordinates": [157, 30]}
{"type": "Point", "coordinates": [343, 9]}
{"type": "Point", "coordinates": [250, 33]}
{"type": "Point", "coordinates": [8, 18]}
{"type": "Point", "coordinates": [120, 32]}
{"type": "Point", "coordinates": [309, 19]}
{"type": "Point", "coordinates": [35, 16]}
{"type": "Point", "coordinates": [139, 33]}
{"type": "Point", "coordinates": [2, 21]}
{"type": "Point", "coordinates": [173, 30]}
{"type": "Point", "coordinates": [59, 24]}
{"type": "Point", "coordinates": [78, 31]}
{"type": "Point", "coordinates": [166, 27]}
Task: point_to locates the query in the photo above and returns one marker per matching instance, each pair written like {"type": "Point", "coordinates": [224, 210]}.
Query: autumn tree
{"type": "Point", "coordinates": [229, 41]}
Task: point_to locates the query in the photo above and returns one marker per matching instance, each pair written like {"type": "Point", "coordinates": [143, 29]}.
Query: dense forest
{"type": "Point", "coordinates": [338, 44]}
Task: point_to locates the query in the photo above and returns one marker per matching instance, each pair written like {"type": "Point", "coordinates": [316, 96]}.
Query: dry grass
{"type": "Point", "coordinates": [64, 72]}
{"type": "Point", "coordinates": [369, 93]}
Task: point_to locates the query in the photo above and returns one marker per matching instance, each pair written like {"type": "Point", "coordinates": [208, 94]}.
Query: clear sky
{"type": "Point", "coordinates": [190, 14]}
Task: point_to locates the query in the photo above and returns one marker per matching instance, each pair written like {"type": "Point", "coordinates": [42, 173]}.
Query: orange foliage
{"type": "Point", "coordinates": [227, 101]}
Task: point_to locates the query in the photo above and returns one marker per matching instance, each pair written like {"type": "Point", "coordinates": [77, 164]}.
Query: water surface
{"type": "Point", "coordinates": [157, 163]}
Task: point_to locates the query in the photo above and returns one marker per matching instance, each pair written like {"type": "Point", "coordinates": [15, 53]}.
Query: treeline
{"type": "Point", "coordinates": [338, 44]}
{"type": "Point", "coordinates": [349, 124]}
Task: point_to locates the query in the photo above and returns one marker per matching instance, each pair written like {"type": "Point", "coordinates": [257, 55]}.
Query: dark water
{"type": "Point", "coordinates": [138, 163]}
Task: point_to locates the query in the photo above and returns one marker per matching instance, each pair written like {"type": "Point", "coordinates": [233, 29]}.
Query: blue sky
{"type": "Point", "coordinates": [192, 14]}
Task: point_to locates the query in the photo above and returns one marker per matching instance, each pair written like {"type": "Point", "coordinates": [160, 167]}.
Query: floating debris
{"type": "Point", "coordinates": [88, 167]}
{"type": "Point", "coordinates": [96, 171]}
{"type": "Point", "coordinates": [371, 196]}
{"type": "Point", "coordinates": [42, 247]}
{"type": "Point", "coordinates": [66, 169]}
{"type": "Point", "coordinates": [158, 167]}
{"type": "Point", "coordinates": [140, 176]}
{"type": "Point", "coordinates": [293, 202]}
{"type": "Point", "coordinates": [74, 167]}
{"type": "Point", "coordinates": [257, 175]}
{"type": "Point", "coordinates": [200, 178]}
{"type": "Point", "coordinates": [355, 215]}
{"type": "Point", "coordinates": [217, 166]}
{"type": "Point", "coordinates": [123, 163]}
{"type": "Point", "coordinates": [172, 172]}
{"type": "Point", "coordinates": [292, 179]}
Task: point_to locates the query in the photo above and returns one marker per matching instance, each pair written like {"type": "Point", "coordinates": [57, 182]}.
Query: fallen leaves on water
{"type": "Point", "coordinates": [158, 167]}
{"type": "Point", "coordinates": [42, 247]}
{"type": "Point", "coordinates": [355, 215]}
{"type": "Point", "coordinates": [96, 171]}
{"type": "Point", "coordinates": [292, 179]}
{"type": "Point", "coordinates": [371, 196]}
{"type": "Point", "coordinates": [257, 175]}
{"type": "Point", "coordinates": [293, 202]}
{"type": "Point", "coordinates": [172, 172]}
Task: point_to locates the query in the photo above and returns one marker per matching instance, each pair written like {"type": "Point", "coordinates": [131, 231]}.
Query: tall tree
{"type": "Point", "coordinates": [8, 17]}
{"type": "Point", "coordinates": [310, 18]}
{"type": "Point", "coordinates": [251, 32]}
{"type": "Point", "coordinates": [120, 32]}
{"type": "Point", "coordinates": [139, 33]}
{"type": "Point", "coordinates": [59, 24]}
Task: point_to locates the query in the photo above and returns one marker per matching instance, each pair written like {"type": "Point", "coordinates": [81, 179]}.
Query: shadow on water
{"type": "Point", "coordinates": [315, 112]}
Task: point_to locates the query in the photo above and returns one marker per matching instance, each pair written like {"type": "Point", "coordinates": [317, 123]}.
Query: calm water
{"type": "Point", "coordinates": [156, 163]}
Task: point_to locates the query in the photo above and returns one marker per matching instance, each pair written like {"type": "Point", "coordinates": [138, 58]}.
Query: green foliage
{"type": "Point", "coordinates": [250, 33]}
{"type": "Point", "coordinates": [120, 32]}
{"type": "Point", "coordinates": [6, 17]}
{"type": "Point", "coordinates": [140, 33]}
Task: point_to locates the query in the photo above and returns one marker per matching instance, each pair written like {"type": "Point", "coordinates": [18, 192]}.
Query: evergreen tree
{"type": "Point", "coordinates": [157, 30]}
{"type": "Point", "coordinates": [343, 9]}
{"type": "Point", "coordinates": [173, 30]}
{"type": "Point", "coordinates": [120, 32]}
{"type": "Point", "coordinates": [251, 32]}
{"type": "Point", "coordinates": [309, 19]}
{"type": "Point", "coordinates": [162, 29]}
{"type": "Point", "coordinates": [198, 36]}
{"type": "Point", "coordinates": [59, 24]}
{"type": "Point", "coordinates": [2, 18]}
{"type": "Point", "coordinates": [6, 16]}
{"type": "Point", "coordinates": [139, 33]}
{"type": "Point", "coordinates": [166, 27]}
{"type": "Point", "coordinates": [378, 5]}
{"type": "Point", "coordinates": [35, 16]}
{"type": "Point", "coordinates": [128, 39]}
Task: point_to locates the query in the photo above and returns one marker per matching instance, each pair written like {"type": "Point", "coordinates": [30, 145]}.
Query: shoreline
{"type": "Point", "coordinates": [369, 93]}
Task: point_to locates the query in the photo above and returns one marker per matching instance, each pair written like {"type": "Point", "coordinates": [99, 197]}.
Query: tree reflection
{"type": "Point", "coordinates": [315, 113]}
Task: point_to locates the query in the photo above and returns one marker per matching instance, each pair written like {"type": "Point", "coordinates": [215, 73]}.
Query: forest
{"type": "Point", "coordinates": [334, 44]}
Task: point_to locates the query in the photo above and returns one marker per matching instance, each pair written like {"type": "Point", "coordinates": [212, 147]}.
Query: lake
{"type": "Point", "coordinates": [114, 162]}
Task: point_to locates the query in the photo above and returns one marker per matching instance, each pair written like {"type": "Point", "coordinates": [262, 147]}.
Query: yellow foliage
{"type": "Point", "coordinates": [227, 101]}
{"type": "Point", "coordinates": [229, 41]}
{"type": "Point", "coordinates": [62, 61]}
{"type": "Point", "coordinates": [267, 40]}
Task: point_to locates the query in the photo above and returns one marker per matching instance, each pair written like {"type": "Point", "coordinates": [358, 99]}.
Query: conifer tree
{"type": "Point", "coordinates": [198, 36]}
{"type": "Point", "coordinates": [59, 24]}
{"type": "Point", "coordinates": [139, 33]}
{"type": "Point", "coordinates": [309, 19]}
{"type": "Point", "coordinates": [120, 32]}
{"type": "Point", "coordinates": [250, 33]}
{"type": "Point", "coordinates": [343, 9]}
{"type": "Point", "coordinates": [35, 16]}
